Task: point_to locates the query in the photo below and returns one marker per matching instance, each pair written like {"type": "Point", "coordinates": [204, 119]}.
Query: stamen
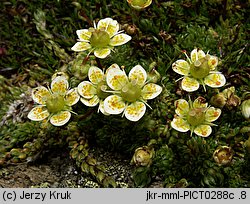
{"type": "Point", "coordinates": [107, 25]}
{"type": "Point", "coordinates": [123, 113]}
{"type": "Point", "coordinates": [121, 31]}
{"type": "Point", "coordinates": [214, 72]}
{"type": "Point", "coordinates": [72, 112]}
{"type": "Point", "coordinates": [179, 79]}
{"type": "Point", "coordinates": [192, 130]}
{"type": "Point", "coordinates": [204, 85]}
{"type": "Point", "coordinates": [98, 110]}
{"type": "Point", "coordinates": [49, 117]}
{"type": "Point", "coordinates": [146, 104]}
{"type": "Point", "coordinates": [190, 102]}
{"type": "Point", "coordinates": [185, 53]}
{"type": "Point", "coordinates": [91, 50]}
{"type": "Point", "coordinates": [114, 92]}
{"type": "Point", "coordinates": [49, 90]}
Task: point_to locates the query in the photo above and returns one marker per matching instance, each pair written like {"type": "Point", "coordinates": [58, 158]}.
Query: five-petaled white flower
{"type": "Point", "coordinates": [200, 69]}
{"type": "Point", "coordinates": [194, 116]}
{"type": "Point", "coordinates": [101, 39]}
{"type": "Point", "coordinates": [94, 91]}
{"type": "Point", "coordinates": [54, 103]}
{"type": "Point", "coordinates": [130, 93]}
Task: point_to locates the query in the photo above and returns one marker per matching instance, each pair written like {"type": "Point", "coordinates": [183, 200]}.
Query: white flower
{"type": "Point", "coordinates": [194, 116]}
{"type": "Point", "coordinates": [55, 103]}
{"type": "Point", "coordinates": [200, 69]}
{"type": "Point", "coordinates": [93, 91]}
{"type": "Point", "coordinates": [131, 92]}
{"type": "Point", "coordinates": [101, 39]}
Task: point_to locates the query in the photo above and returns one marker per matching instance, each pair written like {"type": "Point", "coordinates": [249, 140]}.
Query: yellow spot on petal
{"type": "Point", "coordinates": [135, 110]}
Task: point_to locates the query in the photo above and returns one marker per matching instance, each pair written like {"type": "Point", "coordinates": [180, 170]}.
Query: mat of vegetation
{"type": "Point", "coordinates": [111, 150]}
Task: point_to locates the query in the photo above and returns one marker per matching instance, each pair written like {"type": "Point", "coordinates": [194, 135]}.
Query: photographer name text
{"type": "Point", "coordinates": [42, 196]}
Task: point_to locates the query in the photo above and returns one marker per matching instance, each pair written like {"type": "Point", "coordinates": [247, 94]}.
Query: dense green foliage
{"type": "Point", "coordinates": [36, 37]}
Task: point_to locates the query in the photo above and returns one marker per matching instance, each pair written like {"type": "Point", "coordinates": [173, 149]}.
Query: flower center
{"type": "Point", "coordinates": [55, 103]}
{"type": "Point", "coordinates": [99, 39]}
{"type": "Point", "coordinates": [139, 3]}
{"type": "Point", "coordinates": [196, 116]}
{"type": "Point", "coordinates": [100, 90]}
{"type": "Point", "coordinates": [131, 92]}
{"type": "Point", "coordinates": [200, 68]}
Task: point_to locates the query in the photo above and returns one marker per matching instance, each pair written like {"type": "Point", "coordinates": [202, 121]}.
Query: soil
{"type": "Point", "coordinates": [59, 171]}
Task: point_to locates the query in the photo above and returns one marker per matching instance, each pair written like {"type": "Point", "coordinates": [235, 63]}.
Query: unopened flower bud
{"type": "Point", "coordinates": [245, 108]}
{"type": "Point", "coordinates": [223, 155]}
{"type": "Point", "coordinates": [247, 145]}
{"type": "Point", "coordinates": [80, 70]}
{"type": "Point", "coordinates": [59, 74]}
{"type": "Point", "coordinates": [233, 101]}
{"type": "Point", "coordinates": [131, 29]}
{"type": "Point", "coordinates": [153, 76]}
{"type": "Point", "coordinates": [219, 100]}
{"type": "Point", "coordinates": [143, 156]}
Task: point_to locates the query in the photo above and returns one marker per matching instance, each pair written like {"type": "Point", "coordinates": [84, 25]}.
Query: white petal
{"type": "Point", "coordinates": [116, 78]}
{"type": "Point", "coordinates": [114, 104]}
{"type": "Point", "coordinates": [119, 39]}
{"type": "Point", "coordinates": [60, 85]}
{"type": "Point", "coordinates": [60, 118]}
{"type": "Point", "coordinates": [181, 67]}
{"type": "Point", "coordinates": [81, 46]}
{"type": "Point", "coordinates": [212, 62]}
{"type": "Point", "coordinates": [83, 35]}
{"type": "Point", "coordinates": [190, 84]}
{"type": "Point", "coordinates": [90, 102]}
{"type": "Point", "coordinates": [72, 97]}
{"type": "Point", "coordinates": [40, 94]}
{"type": "Point", "coordinates": [212, 114]}
{"type": "Point", "coordinates": [102, 52]}
{"type": "Point", "coordinates": [203, 130]}
{"type": "Point", "coordinates": [151, 91]}
{"type": "Point", "coordinates": [86, 89]}
{"type": "Point", "coordinates": [135, 111]}
{"type": "Point", "coordinates": [38, 113]}
{"type": "Point", "coordinates": [180, 124]}
{"type": "Point", "coordinates": [215, 80]}
{"type": "Point", "coordinates": [101, 108]}
{"type": "Point", "coordinates": [109, 25]}
{"type": "Point", "coordinates": [138, 75]}
{"type": "Point", "coordinates": [182, 107]}
{"type": "Point", "coordinates": [112, 67]}
{"type": "Point", "coordinates": [197, 54]}
{"type": "Point", "coordinates": [199, 103]}
{"type": "Point", "coordinates": [95, 75]}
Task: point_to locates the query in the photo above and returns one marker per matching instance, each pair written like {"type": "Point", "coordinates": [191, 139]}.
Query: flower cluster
{"type": "Point", "coordinates": [54, 103]}
{"type": "Point", "coordinates": [117, 93]}
{"type": "Point", "coordinates": [101, 39]}
{"type": "Point", "coordinates": [194, 116]}
{"type": "Point", "coordinates": [199, 69]}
